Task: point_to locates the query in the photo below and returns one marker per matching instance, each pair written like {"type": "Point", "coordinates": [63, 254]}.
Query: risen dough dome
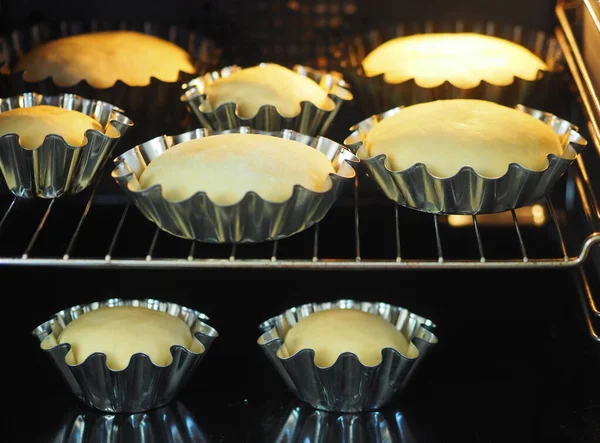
{"type": "Point", "coordinates": [267, 84]}
{"type": "Point", "coordinates": [228, 166]}
{"type": "Point", "coordinates": [33, 124]}
{"type": "Point", "coordinates": [335, 331]}
{"type": "Point", "coordinates": [102, 58]}
{"type": "Point", "coordinates": [122, 331]}
{"type": "Point", "coordinates": [446, 135]}
{"type": "Point", "coordinates": [463, 59]}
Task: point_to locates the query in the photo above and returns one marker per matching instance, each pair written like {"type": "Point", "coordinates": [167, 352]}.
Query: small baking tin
{"type": "Point", "coordinates": [312, 120]}
{"type": "Point", "coordinates": [144, 104]}
{"type": "Point", "coordinates": [253, 219]}
{"type": "Point", "coordinates": [467, 192]}
{"type": "Point", "coordinates": [173, 423]}
{"type": "Point", "coordinates": [348, 385]}
{"type": "Point", "coordinates": [56, 168]}
{"type": "Point", "coordinates": [142, 385]}
{"type": "Point", "coordinates": [375, 95]}
{"type": "Point", "coordinates": [304, 424]}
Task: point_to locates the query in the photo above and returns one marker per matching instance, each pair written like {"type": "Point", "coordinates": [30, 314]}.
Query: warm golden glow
{"type": "Point", "coordinates": [528, 216]}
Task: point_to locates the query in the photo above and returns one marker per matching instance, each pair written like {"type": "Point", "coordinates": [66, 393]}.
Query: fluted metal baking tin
{"type": "Point", "coordinates": [375, 95]}
{"type": "Point", "coordinates": [141, 386]}
{"type": "Point", "coordinates": [56, 168]}
{"type": "Point", "coordinates": [467, 192]}
{"type": "Point", "coordinates": [144, 104]}
{"type": "Point", "coordinates": [252, 219]}
{"type": "Point", "coordinates": [348, 385]}
{"type": "Point", "coordinates": [311, 120]}
{"type": "Point", "coordinates": [173, 423]}
{"type": "Point", "coordinates": [304, 424]}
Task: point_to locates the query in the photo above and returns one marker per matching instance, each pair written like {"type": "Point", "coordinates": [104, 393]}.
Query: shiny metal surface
{"type": "Point", "coordinates": [348, 385]}
{"type": "Point", "coordinates": [142, 385]}
{"type": "Point", "coordinates": [304, 424]}
{"type": "Point", "coordinates": [312, 120]}
{"type": "Point", "coordinates": [144, 104]}
{"type": "Point", "coordinates": [56, 168]}
{"type": "Point", "coordinates": [252, 219]}
{"type": "Point", "coordinates": [467, 192]}
{"type": "Point", "coordinates": [170, 424]}
{"type": "Point", "coordinates": [375, 95]}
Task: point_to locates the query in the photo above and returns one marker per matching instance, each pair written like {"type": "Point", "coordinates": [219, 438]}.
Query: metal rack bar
{"type": "Point", "coordinates": [356, 219]}
{"type": "Point", "coordinates": [438, 240]}
{"type": "Point", "coordinates": [561, 239]}
{"type": "Point", "coordinates": [397, 229]}
{"type": "Point", "coordinates": [84, 215]}
{"type": "Point", "coordinates": [8, 211]}
{"type": "Point", "coordinates": [115, 237]}
{"type": "Point", "coordinates": [315, 255]}
{"type": "Point", "coordinates": [478, 238]}
{"type": "Point", "coordinates": [519, 236]}
{"type": "Point", "coordinates": [38, 230]}
{"type": "Point", "coordinates": [585, 294]}
{"type": "Point", "coordinates": [152, 244]}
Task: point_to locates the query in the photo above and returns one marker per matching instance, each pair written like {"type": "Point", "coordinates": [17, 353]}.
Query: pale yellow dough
{"type": "Point", "coordinates": [335, 331]}
{"type": "Point", "coordinates": [446, 135]}
{"type": "Point", "coordinates": [228, 166]}
{"type": "Point", "coordinates": [463, 59]}
{"type": "Point", "coordinates": [267, 84]}
{"type": "Point", "coordinates": [102, 58]}
{"type": "Point", "coordinates": [33, 124]}
{"type": "Point", "coordinates": [122, 331]}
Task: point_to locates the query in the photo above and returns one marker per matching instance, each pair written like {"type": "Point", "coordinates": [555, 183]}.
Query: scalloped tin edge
{"type": "Point", "coordinates": [252, 219]}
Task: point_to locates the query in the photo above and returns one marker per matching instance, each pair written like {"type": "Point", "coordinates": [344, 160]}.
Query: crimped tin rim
{"type": "Point", "coordinates": [116, 302]}
{"type": "Point", "coordinates": [575, 138]}
{"type": "Point", "coordinates": [359, 69]}
{"type": "Point", "coordinates": [192, 90]}
{"type": "Point", "coordinates": [35, 96]}
{"type": "Point", "coordinates": [269, 326]}
{"type": "Point", "coordinates": [249, 194]}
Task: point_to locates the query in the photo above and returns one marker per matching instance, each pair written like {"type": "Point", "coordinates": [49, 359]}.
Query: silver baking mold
{"type": "Point", "coordinates": [252, 219]}
{"type": "Point", "coordinates": [375, 95]}
{"type": "Point", "coordinates": [141, 386]}
{"type": "Point", "coordinates": [304, 424]}
{"type": "Point", "coordinates": [467, 192]}
{"type": "Point", "coordinates": [134, 99]}
{"type": "Point", "coordinates": [348, 385]}
{"type": "Point", "coordinates": [173, 423]}
{"type": "Point", "coordinates": [312, 120]}
{"type": "Point", "coordinates": [56, 168]}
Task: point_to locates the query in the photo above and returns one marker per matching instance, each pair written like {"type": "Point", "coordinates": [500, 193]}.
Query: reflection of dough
{"type": "Point", "coordinates": [335, 331]}
{"type": "Point", "coordinates": [228, 166]}
{"type": "Point", "coordinates": [268, 84]}
{"type": "Point", "coordinates": [122, 331]}
{"type": "Point", "coordinates": [463, 59]}
{"type": "Point", "coordinates": [102, 58]}
{"type": "Point", "coordinates": [446, 135]}
{"type": "Point", "coordinates": [33, 124]}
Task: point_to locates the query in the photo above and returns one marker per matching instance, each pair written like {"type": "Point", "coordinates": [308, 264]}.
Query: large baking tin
{"type": "Point", "coordinates": [467, 192]}
{"type": "Point", "coordinates": [375, 95]}
{"type": "Point", "coordinates": [141, 386]}
{"type": "Point", "coordinates": [144, 104]}
{"type": "Point", "coordinates": [312, 120]}
{"type": "Point", "coordinates": [348, 385]}
{"type": "Point", "coordinates": [173, 423]}
{"type": "Point", "coordinates": [252, 219]}
{"type": "Point", "coordinates": [56, 168]}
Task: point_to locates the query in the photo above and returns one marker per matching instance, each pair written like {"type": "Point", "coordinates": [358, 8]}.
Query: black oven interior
{"type": "Point", "coordinates": [515, 360]}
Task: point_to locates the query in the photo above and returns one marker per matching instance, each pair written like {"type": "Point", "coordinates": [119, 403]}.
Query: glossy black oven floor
{"type": "Point", "coordinates": [514, 361]}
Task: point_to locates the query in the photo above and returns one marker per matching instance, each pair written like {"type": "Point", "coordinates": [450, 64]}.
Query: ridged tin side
{"type": "Point", "coordinates": [144, 104]}
{"type": "Point", "coordinates": [467, 192]}
{"type": "Point", "coordinates": [141, 386]}
{"type": "Point", "coordinates": [375, 95]}
{"type": "Point", "coordinates": [348, 385]}
{"type": "Point", "coordinates": [252, 219]}
{"type": "Point", "coordinates": [56, 168]}
{"type": "Point", "coordinates": [312, 120]}
{"type": "Point", "coordinates": [173, 423]}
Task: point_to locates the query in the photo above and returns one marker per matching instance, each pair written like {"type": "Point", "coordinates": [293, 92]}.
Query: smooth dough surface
{"type": "Point", "coordinates": [123, 331]}
{"type": "Point", "coordinates": [463, 59]}
{"type": "Point", "coordinates": [102, 58]}
{"type": "Point", "coordinates": [228, 166]}
{"type": "Point", "coordinates": [335, 331]}
{"type": "Point", "coordinates": [33, 124]}
{"type": "Point", "coordinates": [268, 84]}
{"type": "Point", "coordinates": [446, 135]}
